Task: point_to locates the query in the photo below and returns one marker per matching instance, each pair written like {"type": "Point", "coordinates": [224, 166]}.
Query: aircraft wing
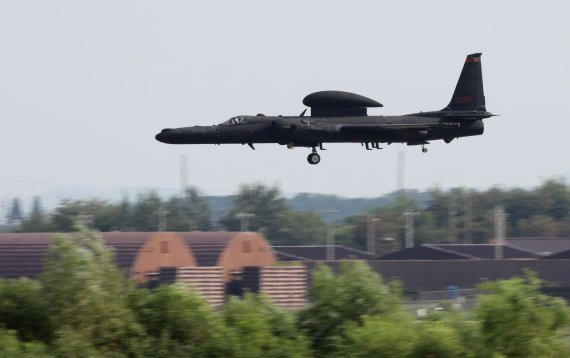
{"type": "Point", "coordinates": [388, 126]}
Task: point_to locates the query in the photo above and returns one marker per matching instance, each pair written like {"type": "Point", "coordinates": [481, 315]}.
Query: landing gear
{"type": "Point", "coordinates": [424, 149]}
{"type": "Point", "coordinates": [314, 157]}
{"type": "Point", "coordinates": [375, 145]}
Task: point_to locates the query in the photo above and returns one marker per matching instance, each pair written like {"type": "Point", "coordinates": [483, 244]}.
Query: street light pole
{"type": "Point", "coordinates": [410, 228]}
{"type": "Point", "coordinates": [371, 234]}
{"type": "Point", "coordinates": [330, 234]}
{"type": "Point", "coordinates": [244, 220]}
{"type": "Point", "coordinates": [500, 217]}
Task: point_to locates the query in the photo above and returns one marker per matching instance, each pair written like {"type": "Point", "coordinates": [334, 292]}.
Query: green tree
{"type": "Point", "coordinates": [107, 216]}
{"type": "Point", "coordinates": [23, 309]}
{"type": "Point", "coordinates": [189, 212]}
{"type": "Point", "coordinates": [263, 330]}
{"type": "Point", "coordinates": [353, 231]}
{"type": "Point", "coordinates": [301, 228]}
{"type": "Point", "coordinates": [458, 327]}
{"type": "Point", "coordinates": [10, 346]}
{"type": "Point", "coordinates": [69, 343]}
{"type": "Point", "coordinates": [37, 220]}
{"type": "Point", "coordinates": [518, 321]}
{"type": "Point", "coordinates": [437, 339]}
{"type": "Point", "coordinates": [338, 301]}
{"type": "Point", "coordinates": [64, 217]}
{"type": "Point", "coordinates": [180, 323]}
{"type": "Point", "coordinates": [554, 199]}
{"type": "Point", "coordinates": [538, 225]}
{"type": "Point", "coordinates": [144, 214]}
{"type": "Point", "coordinates": [85, 293]}
{"type": "Point", "coordinates": [381, 337]}
{"type": "Point", "coordinates": [265, 203]}
{"type": "Point", "coordinates": [15, 216]}
{"type": "Point", "coordinates": [272, 217]}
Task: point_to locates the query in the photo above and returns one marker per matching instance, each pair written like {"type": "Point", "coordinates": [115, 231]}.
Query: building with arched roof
{"type": "Point", "coordinates": [142, 253]}
{"type": "Point", "coordinates": [230, 250]}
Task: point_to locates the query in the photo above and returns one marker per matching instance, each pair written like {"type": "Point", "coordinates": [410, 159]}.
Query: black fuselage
{"type": "Point", "coordinates": [311, 131]}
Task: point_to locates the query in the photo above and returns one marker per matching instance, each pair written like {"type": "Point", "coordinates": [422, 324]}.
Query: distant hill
{"type": "Point", "coordinates": [345, 207]}
{"type": "Point", "coordinates": [319, 203]}
{"type": "Point", "coordinates": [219, 205]}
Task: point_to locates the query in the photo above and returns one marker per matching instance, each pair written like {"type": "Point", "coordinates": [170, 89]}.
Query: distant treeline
{"type": "Point", "coordinates": [459, 215]}
{"type": "Point", "coordinates": [83, 306]}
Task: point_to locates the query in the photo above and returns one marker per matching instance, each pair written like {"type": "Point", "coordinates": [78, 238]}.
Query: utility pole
{"type": "Point", "coordinates": [86, 220]}
{"type": "Point", "coordinates": [452, 219]}
{"type": "Point", "coordinates": [371, 234]}
{"type": "Point", "coordinates": [500, 217]}
{"type": "Point", "coordinates": [162, 217]}
{"type": "Point", "coordinates": [468, 220]}
{"type": "Point", "coordinates": [330, 234]}
{"type": "Point", "coordinates": [244, 220]}
{"type": "Point", "coordinates": [410, 228]}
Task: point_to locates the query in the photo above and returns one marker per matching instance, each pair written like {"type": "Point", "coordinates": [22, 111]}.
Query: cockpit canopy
{"type": "Point", "coordinates": [234, 120]}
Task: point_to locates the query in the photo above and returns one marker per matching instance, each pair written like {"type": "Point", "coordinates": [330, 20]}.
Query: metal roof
{"type": "Point", "coordinates": [456, 252]}
{"type": "Point", "coordinates": [559, 255]}
{"type": "Point", "coordinates": [484, 251]}
{"type": "Point", "coordinates": [424, 253]}
{"type": "Point", "coordinates": [319, 252]}
{"type": "Point", "coordinates": [207, 246]}
{"type": "Point", "coordinates": [542, 246]}
{"type": "Point", "coordinates": [22, 254]}
{"type": "Point", "coordinates": [437, 275]}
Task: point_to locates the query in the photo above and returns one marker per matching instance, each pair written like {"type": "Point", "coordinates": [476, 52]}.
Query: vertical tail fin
{"type": "Point", "coordinates": [468, 94]}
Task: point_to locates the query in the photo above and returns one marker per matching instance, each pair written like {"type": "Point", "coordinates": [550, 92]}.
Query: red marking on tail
{"type": "Point", "coordinates": [463, 100]}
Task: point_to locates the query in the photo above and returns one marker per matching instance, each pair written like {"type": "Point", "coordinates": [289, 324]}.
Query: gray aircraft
{"type": "Point", "coordinates": [341, 117]}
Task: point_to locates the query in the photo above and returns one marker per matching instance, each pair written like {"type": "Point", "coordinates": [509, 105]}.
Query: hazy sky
{"type": "Point", "coordinates": [85, 86]}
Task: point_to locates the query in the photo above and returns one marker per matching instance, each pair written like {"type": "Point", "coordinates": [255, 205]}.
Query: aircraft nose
{"type": "Point", "coordinates": [163, 135]}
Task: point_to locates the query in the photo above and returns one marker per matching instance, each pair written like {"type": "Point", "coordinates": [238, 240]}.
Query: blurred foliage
{"type": "Point", "coordinates": [261, 329]}
{"type": "Point", "coordinates": [11, 346]}
{"type": "Point", "coordinates": [180, 323]}
{"type": "Point", "coordinates": [85, 296]}
{"type": "Point", "coordinates": [83, 306]}
{"type": "Point", "coordinates": [518, 321]}
{"type": "Point", "coordinates": [23, 309]}
{"type": "Point", "coordinates": [540, 212]}
{"type": "Point", "coordinates": [186, 212]}
{"type": "Point", "coordinates": [339, 301]}
{"type": "Point", "coordinates": [543, 211]}
{"type": "Point", "coordinates": [272, 217]}
{"type": "Point", "coordinates": [392, 337]}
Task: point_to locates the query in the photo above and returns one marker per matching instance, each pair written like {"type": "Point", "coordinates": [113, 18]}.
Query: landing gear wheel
{"type": "Point", "coordinates": [424, 150]}
{"type": "Point", "coordinates": [314, 158]}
